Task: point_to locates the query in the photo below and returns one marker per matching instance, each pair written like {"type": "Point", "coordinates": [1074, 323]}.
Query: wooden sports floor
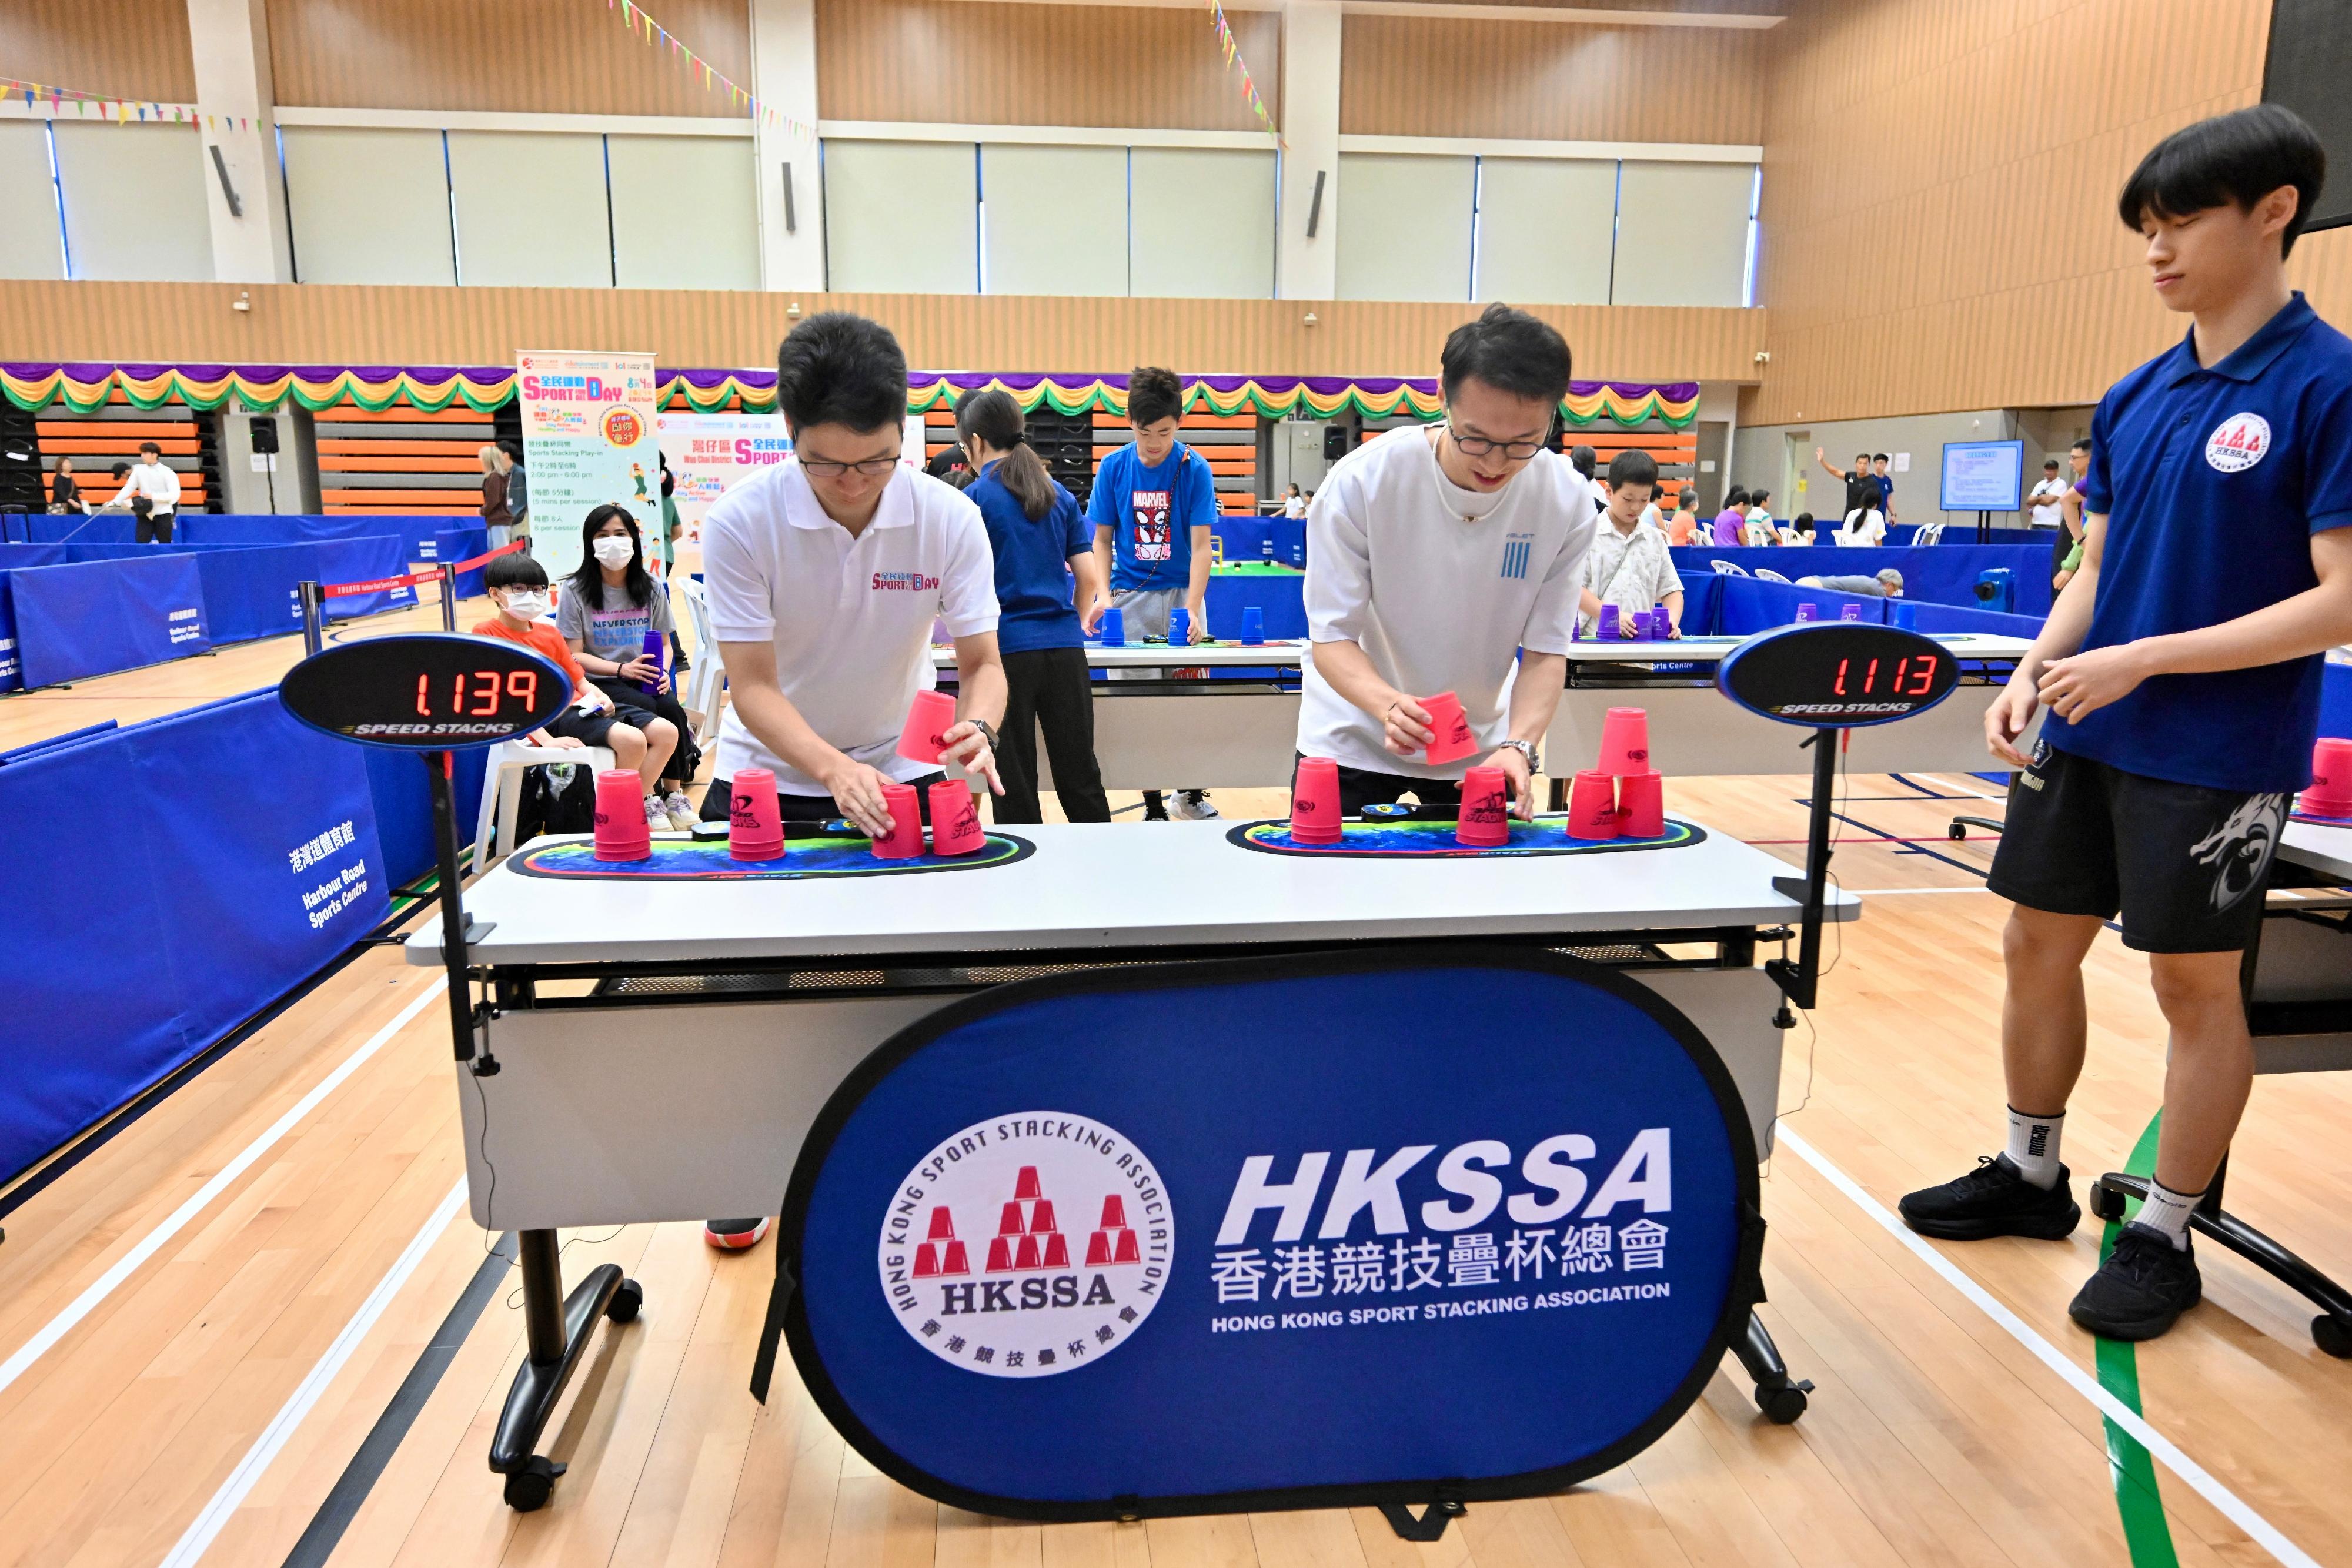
{"type": "Point", "coordinates": [204, 1320]}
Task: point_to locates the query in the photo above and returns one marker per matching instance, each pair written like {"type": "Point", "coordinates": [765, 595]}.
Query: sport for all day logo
{"type": "Point", "coordinates": [1027, 1245]}
{"type": "Point", "coordinates": [623, 428]}
{"type": "Point", "coordinates": [2238, 443]}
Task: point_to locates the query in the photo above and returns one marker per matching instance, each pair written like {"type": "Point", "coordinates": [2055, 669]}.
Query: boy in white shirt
{"type": "Point", "coordinates": [1628, 565]}
{"type": "Point", "coordinates": [160, 487]}
{"type": "Point", "coordinates": [1759, 528]}
{"type": "Point", "coordinates": [1475, 536]}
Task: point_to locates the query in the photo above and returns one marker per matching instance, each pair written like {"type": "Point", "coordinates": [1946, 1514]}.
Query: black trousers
{"type": "Point", "coordinates": [1049, 688]}
{"type": "Point", "coordinates": [155, 528]}
{"type": "Point", "coordinates": [1362, 787]}
{"type": "Point", "coordinates": [720, 798]}
{"type": "Point", "coordinates": [631, 698]}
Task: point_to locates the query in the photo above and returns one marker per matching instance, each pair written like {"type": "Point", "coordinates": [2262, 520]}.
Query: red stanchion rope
{"type": "Point", "coordinates": [382, 584]}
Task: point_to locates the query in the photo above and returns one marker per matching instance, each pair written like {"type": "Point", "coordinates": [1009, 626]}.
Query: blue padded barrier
{"type": "Point", "coordinates": [1941, 574]}
{"type": "Point", "coordinates": [94, 618]}
{"type": "Point", "coordinates": [1749, 605]}
{"type": "Point", "coordinates": [416, 534]}
{"type": "Point", "coordinates": [181, 904]}
{"type": "Point", "coordinates": [1246, 537]}
{"type": "Point", "coordinates": [1282, 595]}
{"type": "Point", "coordinates": [404, 811]}
{"type": "Point", "coordinates": [455, 545]}
{"type": "Point", "coordinates": [12, 663]}
{"type": "Point", "coordinates": [2335, 700]}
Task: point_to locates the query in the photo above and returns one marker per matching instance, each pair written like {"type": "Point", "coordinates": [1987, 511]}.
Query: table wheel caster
{"type": "Point", "coordinates": [627, 1300]}
{"type": "Point", "coordinates": [2332, 1334]}
{"type": "Point", "coordinates": [528, 1489]}
{"type": "Point", "coordinates": [1956, 831]}
{"type": "Point", "coordinates": [2106, 1203]}
{"type": "Point", "coordinates": [1782, 1404]}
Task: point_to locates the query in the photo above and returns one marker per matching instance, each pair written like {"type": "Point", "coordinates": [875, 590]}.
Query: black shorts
{"type": "Point", "coordinates": [1362, 787]}
{"type": "Point", "coordinates": [2185, 864]}
{"type": "Point", "coordinates": [720, 798]}
{"type": "Point", "coordinates": [587, 728]}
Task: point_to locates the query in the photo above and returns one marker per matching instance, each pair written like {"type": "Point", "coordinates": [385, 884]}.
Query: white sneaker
{"type": "Point", "coordinates": [657, 819]}
{"type": "Point", "coordinates": [681, 811]}
{"type": "Point", "coordinates": [1192, 806]}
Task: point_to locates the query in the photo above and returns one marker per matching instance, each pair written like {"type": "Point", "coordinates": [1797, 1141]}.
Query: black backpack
{"type": "Point", "coordinates": [560, 798]}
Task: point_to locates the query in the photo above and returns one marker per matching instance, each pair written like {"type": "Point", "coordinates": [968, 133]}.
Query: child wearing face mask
{"type": "Point", "coordinates": [517, 586]}
{"type": "Point", "coordinates": [611, 606]}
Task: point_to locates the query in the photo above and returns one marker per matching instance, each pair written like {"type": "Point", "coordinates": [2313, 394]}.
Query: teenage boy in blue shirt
{"type": "Point", "coordinates": [2181, 669]}
{"type": "Point", "coordinates": [1152, 507]}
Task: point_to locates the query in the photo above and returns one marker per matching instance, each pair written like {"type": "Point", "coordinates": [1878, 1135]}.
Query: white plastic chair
{"type": "Point", "coordinates": [1727, 569]}
{"type": "Point", "coordinates": [1766, 574]}
{"type": "Point", "coordinates": [1928, 534]}
{"type": "Point", "coordinates": [496, 824]}
{"type": "Point", "coordinates": [706, 687]}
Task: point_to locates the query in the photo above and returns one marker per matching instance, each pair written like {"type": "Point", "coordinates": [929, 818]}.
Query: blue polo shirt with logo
{"type": "Point", "coordinates": [2213, 480]}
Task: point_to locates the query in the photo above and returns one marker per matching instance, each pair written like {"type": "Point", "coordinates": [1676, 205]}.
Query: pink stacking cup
{"type": "Point", "coordinates": [1626, 741]}
{"type": "Point", "coordinates": [1592, 806]}
{"type": "Point", "coordinates": [1315, 801]}
{"type": "Point", "coordinates": [2330, 794]}
{"type": "Point", "coordinates": [906, 840]}
{"type": "Point", "coordinates": [1641, 806]}
{"type": "Point", "coordinates": [931, 717]}
{"type": "Point", "coordinates": [955, 818]}
{"type": "Point", "coordinates": [1453, 740]}
{"type": "Point", "coordinates": [755, 830]}
{"type": "Point", "coordinates": [1484, 820]}
{"type": "Point", "coordinates": [621, 833]}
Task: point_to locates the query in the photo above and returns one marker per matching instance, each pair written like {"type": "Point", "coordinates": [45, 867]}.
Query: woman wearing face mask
{"type": "Point", "coordinates": [518, 588]}
{"type": "Point", "coordinates": [610, 607]}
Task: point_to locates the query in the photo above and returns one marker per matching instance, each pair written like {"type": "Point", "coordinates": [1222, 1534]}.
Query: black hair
{"type": "Point", "coordinates": [588, 580]}
{"type": "Point", "coordinates": [1738, 497]}
{"type": "Point", "coordinates": [1634, 466]}
{"type": "Point", "coordinates": [2050, 463]}
{"type": "Point", "coordinates": [516, 570]}
{"type": "Point", "coordinates": [1878, 458]}
{"type": "Point", "coordinates": [1862, 457]}
{"type": "Point", "coordinates": [1584, 460]}
{"type": "Point", "coordinates": [1657, 491]}
{"type": "Point", "coordinates": [121, 469]}
{"type": "Point", "coordinates": [2233, 160]}
{"type": "Point", "coordinates": [150, 447]}
{"type": "Point", "coordinates": [1758, 497]}
{"type": "Point", "coordinates": [1805, 523]}
{"type": "Point", "coordinates": [1511, 351]}
{"type": "Point", "coordinates": [836, 368]}
{"type": "Point", "coordinates": [2083, 446]}
{"type": "Point", "coordinates": [1153, 394]}
{"type": "Point", "coordinates": [513, 449]}
{"type": "Point", "coordinates": [995, 417]}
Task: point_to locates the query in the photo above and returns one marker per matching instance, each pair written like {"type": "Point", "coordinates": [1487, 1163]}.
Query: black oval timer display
{"type": "Point", "coordinates": [427, 691]}
{"type": "Point", "coordinates": [1838, 675]}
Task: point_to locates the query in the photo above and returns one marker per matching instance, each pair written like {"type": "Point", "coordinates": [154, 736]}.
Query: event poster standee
{"type": "Point", "coordinates": [708, 454]}
{"type": "Point", "coordinates": [588, 437]}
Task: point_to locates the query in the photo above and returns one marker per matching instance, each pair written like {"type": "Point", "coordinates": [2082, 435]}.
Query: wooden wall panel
{"type": "Point", "coordinates": [1567, 81]}
{"type": "Point", "coordinates": [526, 57]}
{"type": "Point", "coordinates": [125, 48]}
{"type": "Point", "coordinates": [959, 62]}
{"type": "Point", "coordinates": [337, 324]}
{"type": "Point", "coordinates": [1938, 226]}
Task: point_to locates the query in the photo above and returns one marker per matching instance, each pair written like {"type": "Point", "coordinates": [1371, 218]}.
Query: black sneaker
{"type": "Point", "coordinates": [2141, 1290]}
{"type": "Point", "coordinates": [1993, 1200]}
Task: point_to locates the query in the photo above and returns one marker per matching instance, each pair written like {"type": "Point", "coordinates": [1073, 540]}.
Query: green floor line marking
{"type": "Point", "coordinates": [2147, 1532]}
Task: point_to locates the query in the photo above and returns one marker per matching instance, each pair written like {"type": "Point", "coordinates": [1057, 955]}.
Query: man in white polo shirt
{"type": "Point", "coordinates": [1475, 537]}
{"type": "Point", "coordinates": [824, 573]}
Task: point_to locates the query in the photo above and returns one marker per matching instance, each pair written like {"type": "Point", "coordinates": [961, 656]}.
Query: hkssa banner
{"type": "Point", "coordinates": [588, 437]}
{"type": "Point", "coordinates": [708, 453]}
{"type": "Point", "coordinates": [1365, 1228]}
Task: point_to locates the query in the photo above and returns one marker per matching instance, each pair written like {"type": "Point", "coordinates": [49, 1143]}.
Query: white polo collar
{"type": "Point", "coordinates": [802, 509]}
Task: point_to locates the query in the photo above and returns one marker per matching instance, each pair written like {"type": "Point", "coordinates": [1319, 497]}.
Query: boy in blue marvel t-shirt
{"type": "Point", "coordinates": [1152, 507]}
{"type": "Point", "coordinates": [2181, 669]}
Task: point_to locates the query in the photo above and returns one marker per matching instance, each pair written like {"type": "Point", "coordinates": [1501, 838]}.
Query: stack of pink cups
{"type": "Point", "coordinates": [621, 830]}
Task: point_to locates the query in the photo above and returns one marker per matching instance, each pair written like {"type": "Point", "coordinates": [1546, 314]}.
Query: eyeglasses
{"type": "Point", "coordinates": [873, 467]}
{"type": "Point", "coordinates": [1479, 447]}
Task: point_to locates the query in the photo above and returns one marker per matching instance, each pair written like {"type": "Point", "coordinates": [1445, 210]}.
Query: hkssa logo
{"type": "Point", "coordinates": [2238, 443]}
{"type": "Point", "coordinates": [1027, 1245]}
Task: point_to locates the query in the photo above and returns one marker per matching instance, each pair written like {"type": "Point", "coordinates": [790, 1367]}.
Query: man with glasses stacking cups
{"type": "Point", "coordinates": [1439, 561]}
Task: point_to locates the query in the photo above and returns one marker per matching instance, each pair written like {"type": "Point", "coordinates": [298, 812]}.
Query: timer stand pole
{"type": "Point", "coordinates": [1800, 981]}
{"type": "Point", "coordinates": [556, 1327]}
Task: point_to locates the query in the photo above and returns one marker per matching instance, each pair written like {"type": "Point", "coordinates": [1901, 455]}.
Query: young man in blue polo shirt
{"type": "Point", "coordinates": [2181, 669]}
{"type": "Point", "coordinates": [1152, 506]}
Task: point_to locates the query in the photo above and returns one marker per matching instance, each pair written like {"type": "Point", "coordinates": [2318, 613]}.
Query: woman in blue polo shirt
{"type": "Point", "coordinates": [1040, 539]}
{"type": "Point", "coordinates": [2182, 669]}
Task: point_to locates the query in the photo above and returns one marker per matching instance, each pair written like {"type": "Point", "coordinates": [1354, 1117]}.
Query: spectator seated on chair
{"type": "Point", "coordinates": [1800, 530]}
{"type": "Point", "coordinates": [517, 586]}
{"type": "Point", "coordinates": [610, 606]}
{"type": "Point", "coordinates": [1888, 584]}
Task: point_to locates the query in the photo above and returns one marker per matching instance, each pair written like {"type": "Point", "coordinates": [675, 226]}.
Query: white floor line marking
{"type": "Point", "coordinates": [2201, 1480]}
{"type": "Point", "coordinates": [265, 1448]}
{"type": "Point", "coordinates": [106, 1284]}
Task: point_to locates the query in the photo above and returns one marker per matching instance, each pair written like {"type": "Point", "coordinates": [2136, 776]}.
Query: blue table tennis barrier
{"type": "Point", "coordinates": [1246, 539]}
{"type": "Point", "coordinates": [218, 858]}
{"type": "Point", "coordinates": [1940, 574]}
{"type": "Point", "coordinates": [417, 534]}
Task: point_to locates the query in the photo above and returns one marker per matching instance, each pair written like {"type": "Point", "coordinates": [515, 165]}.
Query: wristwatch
{"type": "Point", "coordinates": [987, 732]}
{"type": "Point", "coordinates": [1526, 748]}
